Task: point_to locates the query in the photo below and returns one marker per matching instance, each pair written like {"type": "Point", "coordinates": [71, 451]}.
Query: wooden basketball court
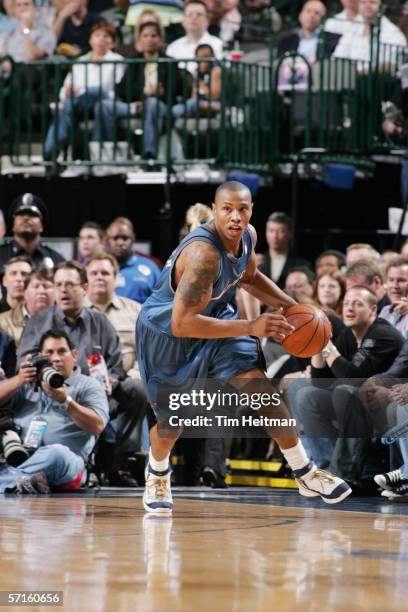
{"type": "Point", "coordinates": [242, 549]}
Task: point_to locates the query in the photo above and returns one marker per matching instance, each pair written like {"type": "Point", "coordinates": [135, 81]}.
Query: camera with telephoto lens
{"type": "Point", "coordinates": [10, 442]}
{"type": "Point", "coordinates": [46, 373]}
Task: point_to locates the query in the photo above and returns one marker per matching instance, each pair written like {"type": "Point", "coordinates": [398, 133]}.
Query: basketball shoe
{"type": "Point", "coordinates": [390, 480]}
{"type": "Point", "coordinates": [398, 492]}
{"type": "Point", "coordinates": [313, 482]}
{"type": "Point", "coordinates": [157, 497]}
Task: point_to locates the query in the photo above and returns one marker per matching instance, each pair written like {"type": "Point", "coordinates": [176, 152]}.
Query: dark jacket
{"type": "Point", "coordinates": [130, 88]}
{"type": "Point", "coordinates": [291, 262]}
{"type": "Point", "coordinates": [328, 44]}
{"type": "Point", "coordinates": [378, 350]}
{"type": "Point", "coordinates": [11, 248]}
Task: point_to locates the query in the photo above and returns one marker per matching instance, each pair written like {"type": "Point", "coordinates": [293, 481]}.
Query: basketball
{"type": "Point", "coordinates": [312, 330]}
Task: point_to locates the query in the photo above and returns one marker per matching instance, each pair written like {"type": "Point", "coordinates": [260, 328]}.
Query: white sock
{"type": "Point", "coordinates": [158, 466]}
{"type": "Point", "coordinates": [296, 456]}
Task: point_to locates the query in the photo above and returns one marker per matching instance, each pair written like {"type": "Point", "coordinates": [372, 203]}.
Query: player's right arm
{"type": "Point", "coordinates": [196, 271]}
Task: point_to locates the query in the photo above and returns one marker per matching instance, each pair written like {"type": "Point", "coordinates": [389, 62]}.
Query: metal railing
{"type": "Point", "coordinates": [102, 127]}
{"type": "Point", "coordinates": [257, 120]}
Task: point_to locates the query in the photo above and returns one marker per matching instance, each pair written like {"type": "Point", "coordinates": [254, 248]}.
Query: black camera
{"type": "Point", "coordinates": [10, 442]}
{"type": "Point", "coordinates": [46, 373]}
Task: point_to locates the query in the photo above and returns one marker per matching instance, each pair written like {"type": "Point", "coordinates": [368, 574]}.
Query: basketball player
{"type": "Point", "coordinates": [189, 329]}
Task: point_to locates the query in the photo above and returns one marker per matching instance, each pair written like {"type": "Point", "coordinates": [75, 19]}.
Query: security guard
{"type": "Point", "coordinates": [28, 212]}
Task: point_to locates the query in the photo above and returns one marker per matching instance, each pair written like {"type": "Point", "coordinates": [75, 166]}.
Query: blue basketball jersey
{"type": "Point", "coordinates": [157, 309]}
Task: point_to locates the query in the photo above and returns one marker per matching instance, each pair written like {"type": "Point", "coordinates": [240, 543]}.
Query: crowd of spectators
{"type": "Point", "coordinates": [207, 29]}
{"type": "Point", "coordinates": [90, 309]}
{"type": "Point", "coordinates": [82, 315]}
{"type": "Point", "coordinates": [33, 30]}
{"type": "Point", "coordinates": [365, 295]}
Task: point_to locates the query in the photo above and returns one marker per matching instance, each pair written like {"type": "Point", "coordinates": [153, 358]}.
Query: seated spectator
{"type": "Point", "coordinates": [325, 413]}
{"type": "Point", "coordinates": [206, 93]}
{"type": "Point", "coordinates": [121, 311]}
{"type": "Point", "coordinates": [76, 413]}
{"type": "Point", "coordinates": [356, 43]}
{"type": "Point", "coordinates": [27, 212]}
{"type": "Point", "coordinates": [167, 13]}
{"type": "Point", "coordinates": [146, 16]}
{"type": "Point", "coordinates": [367, 273]}
{"type": "Point", "coordinates": [31, 38]}
{"type": "Point", "coordinates": [91, 241]}
{"type": "Point", "coordinates": [7, 18]}
{"type": "Point", "coordinates": [330, 260]}
{"type": "Point", "coordinates": [141, 92]}
{"type": "Point", "coordinates": [343, 22]}
{"type": "Point", "coordinates": [137, 274]}
{"type": "Point", "coordinates": [93, 334]}
{"type": "Point", "coordinates": [306, 43]}
{"type": "Point", "coordinates": [397, 290]}
{"type": "Point", "coordinates": [16, 271]}
{"type": "Point", "coordinates": [300, 282]}
{"type": "Point", "coordinates": [86, 86]}
{"type": "Point", "coordinates": [225, 18]}
{"type": "Point", "coordinates": [73, 26]}
{"type": "Point", "coordinates": [196, 21]}
{"type": "Point", "coordinates": [39, 293]}
{"type": "Point", "coordinates": [360, 250]}
{"type": "Point", "coordinates": [330, 290]}
{"type": "Point", "coordinates": [277, 262]}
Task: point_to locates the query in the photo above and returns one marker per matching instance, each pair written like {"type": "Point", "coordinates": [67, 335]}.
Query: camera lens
{"type": "Point", "coordinates": [14, 452]}
{"type": "Point", "coordinates": [52, 377]}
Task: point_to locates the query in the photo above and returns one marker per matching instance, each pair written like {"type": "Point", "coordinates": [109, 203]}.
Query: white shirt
{"type": "Point", "coordinates": [277, 264]}
{"type": "Point", "coordinates": [183, 48]}
{"type": "Point", "coordinates": [355, 45]}
{"type": "Point", "coordinates": [339, 24]}
{"type": "Point", "coordinates": [83, 76]}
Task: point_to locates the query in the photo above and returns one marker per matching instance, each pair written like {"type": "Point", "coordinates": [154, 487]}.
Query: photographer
{"type": "Point", "coordinates": [58, 425]}
{"type": "Point", "coordinates": [92, 333]}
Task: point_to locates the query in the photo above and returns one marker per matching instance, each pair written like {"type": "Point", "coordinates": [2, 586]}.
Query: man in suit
{"type": "Point", "coordinates": [306, 40]}
{"type": "Point", "coordinates": [278, 261]}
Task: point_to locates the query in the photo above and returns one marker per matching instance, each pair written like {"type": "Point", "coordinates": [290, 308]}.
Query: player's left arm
{"type": "Point", "coordinates": [260, 286]}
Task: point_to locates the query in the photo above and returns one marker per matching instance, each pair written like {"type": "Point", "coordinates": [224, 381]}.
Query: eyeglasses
{"type": "Point", "coordinates": [120, 237]}
{"type": "Point", "coordinates": [68, 285]}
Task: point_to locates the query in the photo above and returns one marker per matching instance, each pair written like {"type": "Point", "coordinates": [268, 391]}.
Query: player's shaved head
{"type": "Point", "coordinates": [232, 187]}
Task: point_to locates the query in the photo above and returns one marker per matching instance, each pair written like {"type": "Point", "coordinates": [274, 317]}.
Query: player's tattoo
{"type": "Point", "coordinates": [202, 272]}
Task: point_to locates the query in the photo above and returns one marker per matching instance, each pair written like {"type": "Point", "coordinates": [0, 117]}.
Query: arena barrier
{"type": "Point", "coordinates": [265, 113]}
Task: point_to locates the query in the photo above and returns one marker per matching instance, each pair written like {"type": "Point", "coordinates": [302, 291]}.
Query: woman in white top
{"type": "Point", "coordinates": [89, 82]}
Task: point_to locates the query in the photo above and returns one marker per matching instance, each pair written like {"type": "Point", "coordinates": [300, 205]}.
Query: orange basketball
{"type": "Point", "coordinates": [312, 330]}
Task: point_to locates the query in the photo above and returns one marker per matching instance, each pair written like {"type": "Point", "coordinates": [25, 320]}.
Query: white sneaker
{"type": "Point", "coordinates": [390, 480]}
{"type": "Point", "coordinates": [399, 492]}
{"type": "Point", "coordinates": [157, 497]}
{"type": "Point", "coordinates": [313, 482]}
